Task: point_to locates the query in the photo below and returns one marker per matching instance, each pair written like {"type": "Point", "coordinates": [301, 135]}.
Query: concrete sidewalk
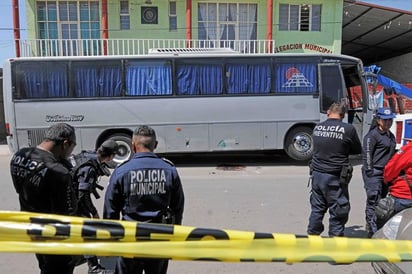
{"type": "Point", "coordinates": [4, 150]}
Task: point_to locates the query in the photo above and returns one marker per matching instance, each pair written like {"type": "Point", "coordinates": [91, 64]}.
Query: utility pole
{"type": "Point", "coordinates": [16, 26]}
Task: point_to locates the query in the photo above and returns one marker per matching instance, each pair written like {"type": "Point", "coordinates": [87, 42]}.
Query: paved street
{"type": "Point", "coordinates": [265, 194]}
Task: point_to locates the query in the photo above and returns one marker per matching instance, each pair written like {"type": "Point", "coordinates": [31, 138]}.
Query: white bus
{"type": "Point", "coordinates": [204, 102]}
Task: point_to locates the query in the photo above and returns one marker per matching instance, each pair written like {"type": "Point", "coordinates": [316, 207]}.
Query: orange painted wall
{"type": "Point", "coordinates": [357, 98]}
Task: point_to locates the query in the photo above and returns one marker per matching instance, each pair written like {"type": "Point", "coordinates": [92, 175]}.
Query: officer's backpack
{"type": "Point", "coordinates": [85, 158]}
{"type": "Point", "coordinates": [80, 160]}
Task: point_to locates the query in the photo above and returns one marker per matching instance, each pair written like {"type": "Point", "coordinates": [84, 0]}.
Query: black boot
{"type": "Point", "coordinates": [94, 266]}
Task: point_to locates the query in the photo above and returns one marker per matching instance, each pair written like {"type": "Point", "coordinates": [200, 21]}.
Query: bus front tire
{"type": "Point", "coordinates": [299, 144]}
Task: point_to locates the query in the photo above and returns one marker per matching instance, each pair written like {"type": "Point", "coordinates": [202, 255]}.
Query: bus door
{"type": "Point", "coordinates": [342, 85]}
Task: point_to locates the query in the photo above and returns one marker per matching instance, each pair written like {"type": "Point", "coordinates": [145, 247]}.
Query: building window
{"type": "Point", "coordinates": [300, 17]}
{"type": "Point", "coordinates": [67, 21]}
{"type": "Point", "coordinates": [124, 15]}
{"type": "Point", "coordinates": [172, 16]}
{"type": "Point", "coordinates": [224, 24]}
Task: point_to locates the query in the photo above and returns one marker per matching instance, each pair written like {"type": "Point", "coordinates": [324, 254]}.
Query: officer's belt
{"type": "Point", "coordinates": [142, 218]}
{"type": "Point", "coordinates": [334, 173]}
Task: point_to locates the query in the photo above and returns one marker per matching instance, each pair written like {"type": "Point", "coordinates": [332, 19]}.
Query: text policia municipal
{"type": "Point", "coordinates": [147, 182]}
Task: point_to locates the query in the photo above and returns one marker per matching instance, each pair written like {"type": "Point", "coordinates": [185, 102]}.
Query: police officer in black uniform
{"type": "Point", "coordinates": [378, 147]}
{"type": "Point", "coordinates": [41, 176]}
{"type": "Point", "coordinates": [88, 173]}
{"type": "Point", "coordinates": [147, 189]}
{"type": "Point", "coordinates": [86, 176]}
{"type": "Point", "coordinates": [333, 142]}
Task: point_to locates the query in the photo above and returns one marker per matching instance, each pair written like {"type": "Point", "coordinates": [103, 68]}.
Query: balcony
{"type": "Point", "coordinates": [98, 47]}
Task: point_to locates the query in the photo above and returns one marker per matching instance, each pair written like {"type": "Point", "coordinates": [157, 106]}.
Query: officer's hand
{"type": "Point", "coordinates": [96, 216]}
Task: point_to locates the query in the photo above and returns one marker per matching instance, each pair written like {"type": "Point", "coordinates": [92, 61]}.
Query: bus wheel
{"type": "Point", "coordinates": [299, 144]}
{"type": "Point", "coordinates": [125, 149]}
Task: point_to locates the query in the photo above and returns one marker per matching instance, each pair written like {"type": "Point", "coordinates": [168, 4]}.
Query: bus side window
{"type": "Point", "coordinates": [248, 78]}
{"type": "Point", "coordinates": [296, 78]}
{"type": "Point", "coordinates": [199, 79]}
{"type": "Point", "coordinates": [94, 79]}
{"type": "Point", "coordinates": [147, 78]}
{"type": "Point", "coordinates": [49, 81]}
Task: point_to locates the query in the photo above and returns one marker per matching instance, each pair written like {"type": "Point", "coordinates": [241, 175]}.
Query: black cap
{"type": "Point", "coordinates": [109, 147]}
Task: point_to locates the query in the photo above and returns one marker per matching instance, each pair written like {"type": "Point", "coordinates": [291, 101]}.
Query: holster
{"type": "Point", "coordinates": [346, 174]}
{"type": "Point", "coordinates": [167, 216]}
{"type": "Point", "coordinates": [310, 168]}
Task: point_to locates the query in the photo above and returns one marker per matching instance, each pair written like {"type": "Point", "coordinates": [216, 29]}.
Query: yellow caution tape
{"type": "Point", "coordinates": [54, 234]}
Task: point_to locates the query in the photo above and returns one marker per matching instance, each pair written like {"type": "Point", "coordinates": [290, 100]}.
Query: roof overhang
{"type": "Point", "coordinates": [375, 33]}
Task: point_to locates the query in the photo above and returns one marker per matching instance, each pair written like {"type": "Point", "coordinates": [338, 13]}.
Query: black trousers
{"type": "Point", "coordinates": [138, 265]}
{"type": "Point", "coordinates": [55, 264]}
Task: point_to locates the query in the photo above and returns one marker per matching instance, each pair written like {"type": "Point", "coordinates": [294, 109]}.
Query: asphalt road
{"type": "Point", "coordinates": [240, 192]}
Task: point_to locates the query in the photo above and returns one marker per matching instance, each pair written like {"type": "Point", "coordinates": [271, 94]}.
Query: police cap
{"type": "Point", "coordinates": [109, 147]}
{"type": "Point", "coordinates": [385, 114]}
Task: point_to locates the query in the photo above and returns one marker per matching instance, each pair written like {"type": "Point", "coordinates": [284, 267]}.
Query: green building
{"type": "Point", "coordinates": [133, 27]}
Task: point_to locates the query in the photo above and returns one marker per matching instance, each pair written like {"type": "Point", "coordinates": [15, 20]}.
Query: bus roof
{"type": "Point", "coordinates": [191, 54]}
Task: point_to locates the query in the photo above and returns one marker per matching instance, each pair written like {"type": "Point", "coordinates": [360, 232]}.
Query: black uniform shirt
{"type": "Point", "coordinates": [333, 141]}
{"type": "Point", "coordinates": [43, 184]}
{"type": "Point", "coordinates": [378, 147]}
{"type": "Point", "coordinates": [87, 177]}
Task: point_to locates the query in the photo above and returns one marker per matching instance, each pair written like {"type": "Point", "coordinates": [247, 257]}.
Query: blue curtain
{"type": "Point", "coordinates": [296, 78]}
{"type": "Point", "coordinates": [41, 81]}
{"type": "Point", "coordinates": [149, 79]}
{"type": "Point", "coordinates": [97, 81]}
{"type": "Point", "coordinates": [199, 79]}
{"type": "Point", "coordinates": [247, 78]}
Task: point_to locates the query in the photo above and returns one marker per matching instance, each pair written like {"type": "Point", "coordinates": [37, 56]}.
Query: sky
{"type": "Point", "coordinates": [7, 48]}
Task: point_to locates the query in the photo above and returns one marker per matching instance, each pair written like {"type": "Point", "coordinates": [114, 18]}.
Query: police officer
{"type": "Point", "coordinates": [88, 173]}
{"type": "Point", "coordinates": [147, 189]}
{"type": "Point", "coordinates": [43, 181]}
{"type": "Point", "coordinates": [333, 142]}
{"type": "Point", "coordinates": [86, 176]}
{"type": "Point", "coordinates": [378, 147]}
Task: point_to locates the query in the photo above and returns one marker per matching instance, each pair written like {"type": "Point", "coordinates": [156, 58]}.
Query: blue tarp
{"type": "Point", "coordinates": [398, 88]}
{"type": "Point", "coordinates": [389, 83]}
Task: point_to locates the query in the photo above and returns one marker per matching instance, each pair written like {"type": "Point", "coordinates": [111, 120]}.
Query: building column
{"type": "Point", "coordinates": [105, 24]}
{"type": "Point", "coordinates": [269, 26]}
{"type": "Point", "coordinates": [189, 23]}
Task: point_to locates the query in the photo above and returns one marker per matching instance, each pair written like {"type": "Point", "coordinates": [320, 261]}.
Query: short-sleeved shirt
{"type": "Point", "coordinates": [333, 142]}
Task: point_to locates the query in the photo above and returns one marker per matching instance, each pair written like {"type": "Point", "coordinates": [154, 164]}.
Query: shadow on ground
{"type": "Point", "coordinates": [355, 231]}
{"type": "Point", "coordinates": [237, 160]}
{"type": "Point", "coordinates": [233, 160]}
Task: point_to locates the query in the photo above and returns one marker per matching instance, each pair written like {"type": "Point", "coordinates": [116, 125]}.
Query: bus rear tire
{"type": "Point", "coordinates": [125, 149]}
{"type": "Point", "coordinates": [299, 143]}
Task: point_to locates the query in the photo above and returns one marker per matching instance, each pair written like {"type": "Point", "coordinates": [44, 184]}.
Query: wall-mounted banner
{"type": "Point", "coordinates": [25, 232]}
